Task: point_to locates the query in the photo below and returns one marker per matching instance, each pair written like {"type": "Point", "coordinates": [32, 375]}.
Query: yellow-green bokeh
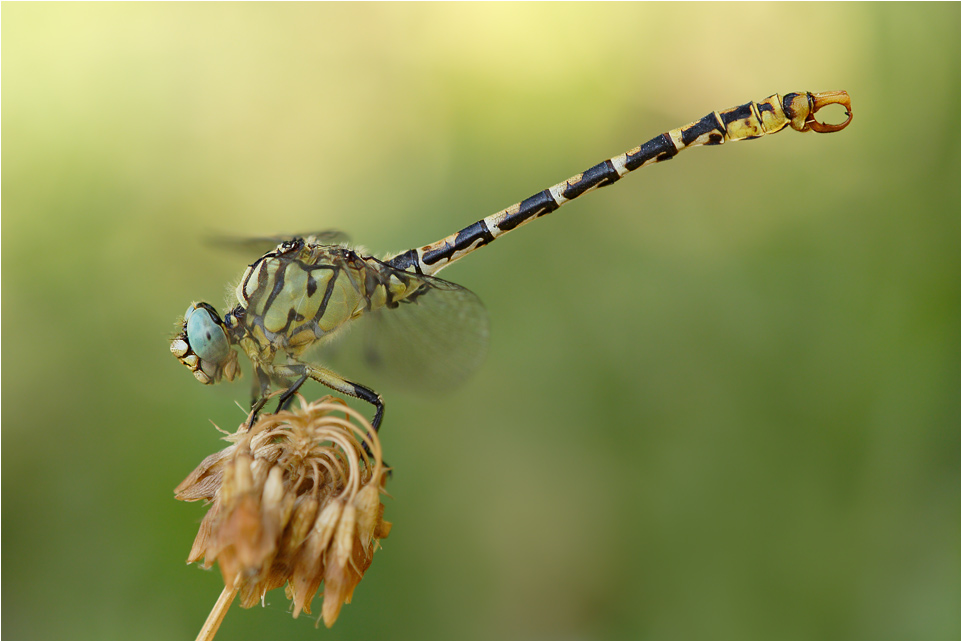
{"type": "Point", "coordinates": [722, 397]}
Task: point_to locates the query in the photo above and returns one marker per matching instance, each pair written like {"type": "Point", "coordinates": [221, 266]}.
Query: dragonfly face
{"type": "Point", "coordinates": [204, 345]}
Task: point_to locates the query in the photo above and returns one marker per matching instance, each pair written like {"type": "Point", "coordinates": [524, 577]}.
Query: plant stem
{"type": "Point", "coordinates": [209, 630]}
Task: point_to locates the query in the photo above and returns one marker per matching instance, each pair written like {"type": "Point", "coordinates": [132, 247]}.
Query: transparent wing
{"type": "Point", "coordinates": [260, 245]}
{"type": "Point", "coordinates": [431, 342]}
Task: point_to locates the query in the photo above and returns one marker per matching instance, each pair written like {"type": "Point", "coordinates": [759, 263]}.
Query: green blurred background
{"type": "Point", "coordinates": [721, 399]}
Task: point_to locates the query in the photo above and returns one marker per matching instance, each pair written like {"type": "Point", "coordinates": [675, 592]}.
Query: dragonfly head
{"type": "Point", "coordinates": [204, 345]}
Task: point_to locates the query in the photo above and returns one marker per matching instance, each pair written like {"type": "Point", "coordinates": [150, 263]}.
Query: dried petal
{"type": "Point", "coordinates": [301, 522]}
{"type": "Point", "coordinates": [243, 532]}
{"type": "Point", "coordinates": [243, 476]}
{"type": "Point", "coordinates": [205, 489]}
{"type": "Point", "coordinates": [338, 577]}
{"type": "Point", "coordinates": [327, 522]}
{"type": "Point", "coordinates": [210, 462]}
{"type": "Point", "coordinates": [202, 541]}
{"type": "Point", "coordinates": [260, 469]}
{"type": "Point", "coordinates": [367, 502]}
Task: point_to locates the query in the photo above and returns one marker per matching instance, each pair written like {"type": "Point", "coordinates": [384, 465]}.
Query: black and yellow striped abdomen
{"type": "Point", "coordinates": [744, 122]}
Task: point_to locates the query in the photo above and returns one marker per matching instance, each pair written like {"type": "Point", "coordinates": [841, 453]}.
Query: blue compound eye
{"type": "Point", "coordinates": [207, 339]}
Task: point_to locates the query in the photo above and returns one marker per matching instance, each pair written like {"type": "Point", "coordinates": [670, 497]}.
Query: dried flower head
{"type": "Point", "coordinates": [294, 500]}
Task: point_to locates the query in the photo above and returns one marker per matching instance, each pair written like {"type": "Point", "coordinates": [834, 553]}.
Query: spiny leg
{"type": "Point", "coordinates": [260, 388]}
{"type": "Point", "coordinates": [260, 394]}
{"type": "Point", "coordinates": [288, 395]}
{"type": "Point", "coordinates": [302, 371]}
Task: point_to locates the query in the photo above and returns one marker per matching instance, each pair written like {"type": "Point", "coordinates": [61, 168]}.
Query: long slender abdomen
{"type": "Point", "coordinates": [744, 122]}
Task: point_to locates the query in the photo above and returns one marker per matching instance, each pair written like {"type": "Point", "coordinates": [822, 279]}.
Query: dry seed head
{"type": "Point", "coordinates": [294, 500]}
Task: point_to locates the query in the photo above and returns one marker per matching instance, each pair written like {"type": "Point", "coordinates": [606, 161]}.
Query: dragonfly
{"type": "Point", "coordinates": [308, 289]}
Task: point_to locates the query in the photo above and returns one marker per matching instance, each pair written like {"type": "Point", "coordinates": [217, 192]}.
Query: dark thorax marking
{"type": "Point", "coordinates": [328, 291]}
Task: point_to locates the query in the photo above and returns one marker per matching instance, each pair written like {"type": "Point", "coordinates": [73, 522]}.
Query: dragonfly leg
{"type": "Point", "coordinates": [302, 371]}
{"type": "Point", "coordinates": [259, 389]}
{"type": "Point", "coordinates": [288, 395]}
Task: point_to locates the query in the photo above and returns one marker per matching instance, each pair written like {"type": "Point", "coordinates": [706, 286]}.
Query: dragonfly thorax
{"type": "Point", "coordinates": [303, 293]}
